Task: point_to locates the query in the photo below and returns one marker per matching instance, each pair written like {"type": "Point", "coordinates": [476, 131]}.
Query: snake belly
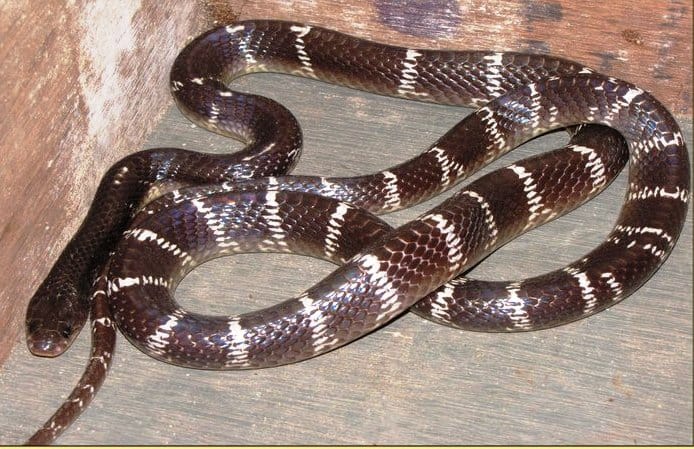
{"type": "Point", "coordinates": [520, 96]}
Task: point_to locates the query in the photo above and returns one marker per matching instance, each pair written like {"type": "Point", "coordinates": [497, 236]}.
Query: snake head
{"type": "Point", "coordinates": [54, 319]}
{"type": "Point", "coordinates": [48, 341]}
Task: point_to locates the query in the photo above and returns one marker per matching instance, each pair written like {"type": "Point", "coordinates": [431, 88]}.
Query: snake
{"type": "Point", "coordinates": [122, 266]}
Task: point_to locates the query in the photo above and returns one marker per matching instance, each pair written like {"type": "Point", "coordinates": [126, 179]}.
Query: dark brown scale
{"type": "Point", "coordinates": [392, 272]}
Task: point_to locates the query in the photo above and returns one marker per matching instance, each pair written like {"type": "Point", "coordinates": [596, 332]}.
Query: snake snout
{"type": "Point", "coordinates": [48, 342]}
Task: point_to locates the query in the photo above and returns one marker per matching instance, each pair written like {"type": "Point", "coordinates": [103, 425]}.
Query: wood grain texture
{"type": "Point", "coordinates": [76, 102]}
{"type": "Point", "coordinates": [74, 76]}
{"type": "Point", "coordinates": [623, 376]}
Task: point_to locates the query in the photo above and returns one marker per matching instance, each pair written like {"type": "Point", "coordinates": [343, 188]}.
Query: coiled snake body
{"type": "Point", "coordinates": [383, 272]}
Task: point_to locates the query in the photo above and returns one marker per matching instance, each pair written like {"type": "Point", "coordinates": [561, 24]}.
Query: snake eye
{"type": "Point", "coordinates": [66, 331]}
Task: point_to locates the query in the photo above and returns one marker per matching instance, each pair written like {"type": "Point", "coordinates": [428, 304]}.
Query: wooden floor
{"type": "Point", "coordinates": [623, 376]}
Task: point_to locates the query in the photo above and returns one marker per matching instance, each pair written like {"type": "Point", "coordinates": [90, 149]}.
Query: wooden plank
{"type": "Point", "coordinates": [621, 377]}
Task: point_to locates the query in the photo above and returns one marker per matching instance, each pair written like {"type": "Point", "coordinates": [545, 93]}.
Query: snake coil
{"type": "Point", "coordinates": [245, 202]}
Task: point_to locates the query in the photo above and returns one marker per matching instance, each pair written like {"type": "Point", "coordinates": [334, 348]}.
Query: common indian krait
{"type": "Point", "coordinates": [384, 272]}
